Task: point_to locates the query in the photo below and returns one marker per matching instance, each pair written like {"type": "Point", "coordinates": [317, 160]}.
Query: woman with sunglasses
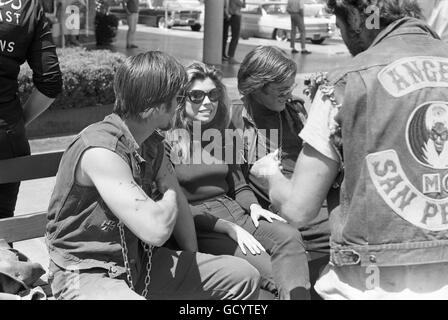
{"type": "Point", "coordinates": [228, 217]}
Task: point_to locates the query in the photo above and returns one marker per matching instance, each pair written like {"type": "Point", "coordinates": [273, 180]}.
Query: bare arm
{"type": "Point", "coordinates": [301, 198]}
{"type": "Point", "coordinates": [184, 231]}
{"type": "Point", "coordinates": [150, 221]}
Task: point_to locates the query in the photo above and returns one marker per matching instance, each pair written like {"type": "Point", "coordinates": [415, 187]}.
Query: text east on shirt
{"type": "Point", "coordinates": [25, 36]}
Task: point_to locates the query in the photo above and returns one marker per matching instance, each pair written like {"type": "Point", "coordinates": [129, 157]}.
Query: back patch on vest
{"type": "Point", "coordinates": [403, 197]}
{"type": "Point", "coordinates": [413, 73]}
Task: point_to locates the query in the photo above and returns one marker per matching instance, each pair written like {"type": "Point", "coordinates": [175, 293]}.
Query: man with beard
{"type": "Point", "coordinates": [389, 235]}
{"type": "Point", "coordinates": [105, 234]}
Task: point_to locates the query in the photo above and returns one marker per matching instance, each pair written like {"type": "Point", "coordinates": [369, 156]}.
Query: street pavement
{"type": "Point", "coordinates": [187, 46]}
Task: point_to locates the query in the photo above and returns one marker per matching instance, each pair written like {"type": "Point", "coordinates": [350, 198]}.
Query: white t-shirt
{"type": "Point", "coordinates": [355, 282]}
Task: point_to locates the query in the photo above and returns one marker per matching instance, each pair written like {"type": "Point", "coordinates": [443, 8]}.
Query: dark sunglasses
{"type": "Point", "coordinates": [197, 96]}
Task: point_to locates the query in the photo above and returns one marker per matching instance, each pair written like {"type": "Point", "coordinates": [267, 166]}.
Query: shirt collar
{"type": "Point", "coordinates": [128, 137]}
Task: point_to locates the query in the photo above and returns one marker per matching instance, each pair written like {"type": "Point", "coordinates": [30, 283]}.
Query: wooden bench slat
{"type": "Point", "coordinates": [23, 227]}
{"type": "Point", "coordinates": [30, 167]}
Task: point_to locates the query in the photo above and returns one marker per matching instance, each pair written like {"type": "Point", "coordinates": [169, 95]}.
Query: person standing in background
{"type": "Point", "coordinates": [233, 10]}
{"type": "Point", "coordinates": [295, 9]}
{"type": "Point", "coordinates": [25, 36]}
{"type": "Point", "coordinates": [225, 29]}
{"type": "Point", "coordinates": [131, 9]}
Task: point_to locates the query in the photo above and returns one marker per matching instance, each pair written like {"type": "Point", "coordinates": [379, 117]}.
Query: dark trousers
{"type": "Point", "coordinates": [298, 22]}
{"type": "Point", "coordinates": [234, 22]}
{"type": "Point", "coordinates": [13, 143]}
{"type": "Point", "coordinates": [284, 266]}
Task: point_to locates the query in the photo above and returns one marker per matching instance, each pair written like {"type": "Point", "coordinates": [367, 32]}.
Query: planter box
{"type": "Point", "coordinates": [61, 122]}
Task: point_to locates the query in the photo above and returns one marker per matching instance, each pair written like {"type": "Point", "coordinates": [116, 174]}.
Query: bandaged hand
{"type": "Point", "coordinates": [267, 166]}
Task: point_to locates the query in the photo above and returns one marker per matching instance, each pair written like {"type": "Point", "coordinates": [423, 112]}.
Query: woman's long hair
{"type": "Point", "coordinates": [177, 137]}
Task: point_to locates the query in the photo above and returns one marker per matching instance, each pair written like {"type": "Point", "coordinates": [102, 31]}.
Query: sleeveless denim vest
{"type": "Point", "coordinates": [82, 232]}
{"type": "Point", "coordinates": [394, 120]}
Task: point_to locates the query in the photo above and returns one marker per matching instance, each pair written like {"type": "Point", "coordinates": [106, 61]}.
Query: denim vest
{"type": "Point", "coordinates": [82, 232]}
{"type": "Point", "coordinates": [393, 119]}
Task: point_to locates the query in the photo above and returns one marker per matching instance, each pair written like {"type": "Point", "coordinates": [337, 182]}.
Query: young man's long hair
{"type": "Point", "coordinates": [264, 65]}
{"type": "Point", "coordinates": [197, 71]}
{"type": "Point", "coordinates": [147, 80]}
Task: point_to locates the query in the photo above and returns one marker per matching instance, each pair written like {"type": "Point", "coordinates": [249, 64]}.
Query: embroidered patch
{"type": "Point", "coordinates": [427, 134]}
{"type": "Point", "coordinates": [108, 225]}
{"type": "Point", "coordinates": [402, 197]}
{"type": "Point", "coordinates": [413, 73]}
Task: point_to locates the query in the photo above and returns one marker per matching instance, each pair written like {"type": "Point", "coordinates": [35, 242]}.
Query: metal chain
{"type": "Point", "coordinates": [124, 250]}
{"type": "Point", "coordinates": [148, 249]}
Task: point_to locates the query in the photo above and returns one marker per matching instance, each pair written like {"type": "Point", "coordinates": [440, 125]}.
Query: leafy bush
{"type": "Point", "coordinates": [87, 78]}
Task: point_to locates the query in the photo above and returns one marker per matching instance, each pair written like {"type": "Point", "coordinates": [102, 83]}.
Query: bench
{"type": "Point", "coordinates": [32, 225]}
{"type": "Point", "coordinates": [29, 226]}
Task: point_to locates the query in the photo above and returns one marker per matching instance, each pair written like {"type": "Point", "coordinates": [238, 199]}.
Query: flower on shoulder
{"type": "Point", "coordinates": [313, 82]}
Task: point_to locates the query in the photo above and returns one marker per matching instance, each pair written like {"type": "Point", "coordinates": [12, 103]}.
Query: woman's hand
{"type": "Point", "coordinates": [270, 164]}
{"type": "Point", "coordinates": [257, 212]}
{"type": "Point", "coordinates": [244, 239]}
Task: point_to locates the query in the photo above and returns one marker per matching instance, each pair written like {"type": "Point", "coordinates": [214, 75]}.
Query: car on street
{"type": "Point", "coordinates": [166, 13]}
{"type": "Point", "coordinates": [271, 20]}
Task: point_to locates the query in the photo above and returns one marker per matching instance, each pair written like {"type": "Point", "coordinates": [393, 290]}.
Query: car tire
{"type": "Point", "coordinates": [320, 41]}
{"type": "Point", "coordinates": [280, 35]}
{"type": "Point", "coordinates": [196, 27]}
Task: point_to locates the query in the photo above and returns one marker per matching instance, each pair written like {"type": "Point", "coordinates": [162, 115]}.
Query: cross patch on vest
{"type": "Point", "coordinates": [413, 73]}
{"type": "Point", "coordinates": [108, 225]}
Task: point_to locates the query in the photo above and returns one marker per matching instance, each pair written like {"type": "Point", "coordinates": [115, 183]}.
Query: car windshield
{"type": "Point", "coordinates": [275, 8]}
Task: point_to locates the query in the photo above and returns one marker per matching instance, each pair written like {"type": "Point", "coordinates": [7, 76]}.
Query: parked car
{"type": "Point", "coordinates": [270, 20]}
{"type": "Point", "coordinates": [166, 13]}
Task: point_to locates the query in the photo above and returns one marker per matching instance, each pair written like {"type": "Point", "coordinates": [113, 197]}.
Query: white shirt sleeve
{"type": "Point", "coordinates": [316, 132]}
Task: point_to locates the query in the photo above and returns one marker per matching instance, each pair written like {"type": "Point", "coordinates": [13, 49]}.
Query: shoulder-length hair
{"type": "Point", "coordinates": [264, 65]}
{"type": "Point", "coordinates": [180, 136]}
{"type": "Point", "coordinates": [146, 80]}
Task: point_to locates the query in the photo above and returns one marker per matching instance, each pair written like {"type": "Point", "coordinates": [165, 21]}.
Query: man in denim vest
{"type": "Point", "coordinates": [105, 234]}
{"type": "Point", "coordinates": [380, 123]}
